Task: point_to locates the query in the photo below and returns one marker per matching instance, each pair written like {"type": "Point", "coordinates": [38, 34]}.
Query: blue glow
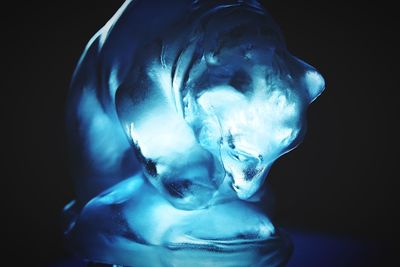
{"type": "Point", "coordinates": [174, 126]}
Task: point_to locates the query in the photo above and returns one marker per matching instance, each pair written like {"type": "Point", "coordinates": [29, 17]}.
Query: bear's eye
{"type": "Point", "coordinates": [230, 141]}
{"type": "Point", "coordinates": [151, 167]}
{"type": "Point", "coordinates": [236, 154]}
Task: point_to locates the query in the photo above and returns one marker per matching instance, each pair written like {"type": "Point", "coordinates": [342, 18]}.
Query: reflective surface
{"type": "Point", "coordinates": [312, 250]}
{"type": "Point", "coordinates": [176, 113]}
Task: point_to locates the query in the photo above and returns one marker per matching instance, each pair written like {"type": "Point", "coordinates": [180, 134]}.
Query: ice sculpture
{"type": "Point", "coordinates": [176, 112]}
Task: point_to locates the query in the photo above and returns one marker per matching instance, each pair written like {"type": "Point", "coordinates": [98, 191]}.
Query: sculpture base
{"type": "Point", "coordinates": [272, 253]}
{"type": "Point", "coordinates": [133, 225]}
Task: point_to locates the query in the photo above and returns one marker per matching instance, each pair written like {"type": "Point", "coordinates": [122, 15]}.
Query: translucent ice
{"type": "Point", "coordinates": [176, 113]}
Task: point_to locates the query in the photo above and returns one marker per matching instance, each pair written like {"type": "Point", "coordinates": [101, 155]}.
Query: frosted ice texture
{"type": "Point", "coordinates": [176, 113]}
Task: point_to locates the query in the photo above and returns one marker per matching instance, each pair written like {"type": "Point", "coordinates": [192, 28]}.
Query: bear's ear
{"type": "Point", "coordinates": [311, 81]}
{"type": "Point", "coordinates": [314, 84]}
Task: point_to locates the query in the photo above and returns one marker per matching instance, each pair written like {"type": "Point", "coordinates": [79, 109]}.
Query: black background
{"type": "Point", "coordinates": [340, 181]}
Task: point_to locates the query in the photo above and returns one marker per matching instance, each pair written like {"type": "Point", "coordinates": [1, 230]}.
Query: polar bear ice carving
{"type": "Point", "coordinates": [176, 113]}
